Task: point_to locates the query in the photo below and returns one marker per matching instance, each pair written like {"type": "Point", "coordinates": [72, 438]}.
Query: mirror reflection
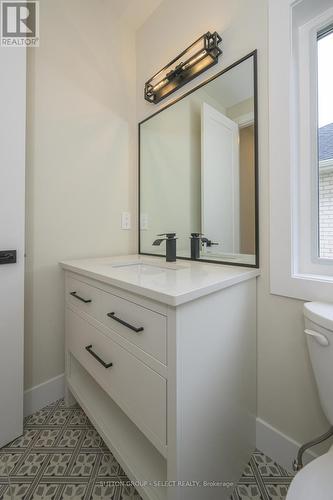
{"type": "Point", "coordinates": [198, 172]}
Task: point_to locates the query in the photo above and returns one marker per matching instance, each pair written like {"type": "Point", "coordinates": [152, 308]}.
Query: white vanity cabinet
{"type": "Point", "coordinates": [163, 361]}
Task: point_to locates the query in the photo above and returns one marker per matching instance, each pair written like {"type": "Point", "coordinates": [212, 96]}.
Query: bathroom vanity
{"type": "Point", "coordinates": [162, 358]}
{"type": "Point", "coordinates": [162, 355]}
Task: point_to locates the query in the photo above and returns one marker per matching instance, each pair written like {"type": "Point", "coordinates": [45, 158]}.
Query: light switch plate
{"type": "Point", "coordinates": [125, 220]}
{"type": "Point", "coordinates": [144, 225]}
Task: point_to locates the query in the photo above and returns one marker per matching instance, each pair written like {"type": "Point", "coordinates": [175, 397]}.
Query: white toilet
{"type": "Point", "coordinates": [315, 481]}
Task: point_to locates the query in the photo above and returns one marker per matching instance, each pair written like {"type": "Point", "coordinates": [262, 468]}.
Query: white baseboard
{"type": "Point", "coordinates": [281, 448]}
{"type": "Point", "coordinates": [43, 394]}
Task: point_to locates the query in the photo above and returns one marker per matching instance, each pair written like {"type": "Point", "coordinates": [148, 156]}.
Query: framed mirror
{"type": "Point", "coordinates": [198, 170]}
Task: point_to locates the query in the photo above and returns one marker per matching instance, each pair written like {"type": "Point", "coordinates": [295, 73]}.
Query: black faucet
{"type": "Point", "coordinates": [196, 241]}
{"type": "Point", "coordinates": [195, 245]}
{"type": "Point", "coordinates": [170, 245]}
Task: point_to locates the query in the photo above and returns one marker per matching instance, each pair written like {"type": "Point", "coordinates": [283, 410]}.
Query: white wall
{"type": "Point", "coordinates": [287, 396]}
{"type": "Point", "coordinates": [80, 162]}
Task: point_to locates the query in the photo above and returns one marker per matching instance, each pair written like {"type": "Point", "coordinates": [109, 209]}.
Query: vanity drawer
{"type": "Point", "coordinates": [83, 296]}
{"type": "Point", "coordinates": [137, 389]}
{"type": "Point", "coordinates": [140, 326]}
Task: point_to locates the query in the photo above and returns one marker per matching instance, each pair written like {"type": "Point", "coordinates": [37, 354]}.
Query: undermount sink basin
{"type": "Point", "coordinates": [148, 267]}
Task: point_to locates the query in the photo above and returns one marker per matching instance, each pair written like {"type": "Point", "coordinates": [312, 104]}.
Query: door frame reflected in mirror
{"type": "Point", "coordinates": [253, 55]}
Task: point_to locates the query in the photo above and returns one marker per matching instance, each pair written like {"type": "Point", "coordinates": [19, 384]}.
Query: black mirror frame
{"type": "Point", "coordinates": [252, 54]}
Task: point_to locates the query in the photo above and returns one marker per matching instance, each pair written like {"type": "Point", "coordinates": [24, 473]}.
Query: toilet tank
{"type": "Point", "coordinates": [319, 333]}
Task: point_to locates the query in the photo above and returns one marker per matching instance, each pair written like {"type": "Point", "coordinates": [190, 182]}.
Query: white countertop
{"type": "Point", "coordinates": [232, 258]}
{"type": "Point", "coordinates": [153, 277]}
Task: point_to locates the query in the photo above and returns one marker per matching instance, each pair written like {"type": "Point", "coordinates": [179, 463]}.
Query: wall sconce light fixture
{"type": "Point", "coordinates": [198, 57]}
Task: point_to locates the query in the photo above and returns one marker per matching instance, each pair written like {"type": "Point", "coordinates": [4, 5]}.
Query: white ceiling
{"type": "Point", "coordinates": [134, 12]}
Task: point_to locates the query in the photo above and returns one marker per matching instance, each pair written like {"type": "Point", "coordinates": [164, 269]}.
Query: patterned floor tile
{"type": "Point", "coordinates": [129, 493]}
{"type": "Point", "coordinates": [31, 465]}
{"type": "Point", "coordinates": [62, 457]}
{"type": "Point", "coordinates": [60, 417]}
{"type": "Point", "coordinates": [247, 492]}
{"type": "Point", "coordinates": [78, 418]}
{"type": "Point", "coordinates": [8, 462]}
{"type": "Point", "coordinates": [70, 438]}
{"type": "Point", "coordinates": [15, 491]}
{"type": "Point", "coordinates": [74, 491]}
{"type": "Point", "coordinates": [46, 491]}
{"type": "Point", "coordinates": [47, 438]}
{"type": "Point", "coordinates": [109, 467]}
{"type": "Point", "coordinates": [3, 488]}
{"type": "Point", "coordinates": [39, 418]}
{"type": "Point", "coordinates": [248, 471]}
{"type": "Point", "coordinates": [58, 464]}
{"type": "Point", "coordinates": [266, 466]}
{"type": "Point", "coordinates": [84, 465]}
{"type": "Point", "coordinates": [92, 440]}
{"type": "Point", "coordinates": [102, 491]}
{"type": "Point", "coordinates": [23, 441]}
{"type": "Point", "coordinates": [276, 491]}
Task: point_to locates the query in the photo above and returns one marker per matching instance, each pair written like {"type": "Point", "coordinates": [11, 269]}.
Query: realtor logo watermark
{"type": "Point", "coordinates": [19, 23]}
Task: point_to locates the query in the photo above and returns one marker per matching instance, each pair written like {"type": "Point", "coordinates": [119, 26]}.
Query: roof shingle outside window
{"type": "Point", "coordinates": [325, 141]}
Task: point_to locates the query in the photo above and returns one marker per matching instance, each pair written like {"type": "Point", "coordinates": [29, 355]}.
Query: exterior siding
{"type": "Point", "coordinates": [326, 213]}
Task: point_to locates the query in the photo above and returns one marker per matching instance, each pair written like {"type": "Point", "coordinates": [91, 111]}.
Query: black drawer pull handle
{"type": "Point", "coordinates": [122, 322]}
{"type": "Point", "coordinates": [94, 355]}
{"type": "Point", "coordinates": [74, 294]}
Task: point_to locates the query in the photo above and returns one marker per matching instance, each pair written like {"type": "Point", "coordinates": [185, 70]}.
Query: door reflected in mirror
{"type": "Point", "coordinates": [198, 171]}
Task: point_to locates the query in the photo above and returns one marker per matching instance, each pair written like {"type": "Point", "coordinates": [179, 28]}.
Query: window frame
{"type": "Point", "coordinates": [295, 268]}
{"type": "Point", "coordinates": [308, 261]}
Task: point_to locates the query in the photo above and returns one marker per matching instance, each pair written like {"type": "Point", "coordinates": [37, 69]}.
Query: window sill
{"type": "Point", "coordinates": [305, 287]}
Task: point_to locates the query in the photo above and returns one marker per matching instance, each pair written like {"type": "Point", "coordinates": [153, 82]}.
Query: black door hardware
{"type": "Point", "coordinates": [8, 257]}
{"type": "Point", "coordinates": [112, 315]}
{"type": "Point", "coordinates": [94, 355]}
{"type": "Point", "coordinates": [74, 294]}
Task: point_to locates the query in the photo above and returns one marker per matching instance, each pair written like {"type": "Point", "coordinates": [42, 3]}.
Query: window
{"type": "Point", "coordinates": [301, 148]}
{"type": "Point", "coordinates": [312, 138]}
{"type": "Point", "coordinates": [325, 142]}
